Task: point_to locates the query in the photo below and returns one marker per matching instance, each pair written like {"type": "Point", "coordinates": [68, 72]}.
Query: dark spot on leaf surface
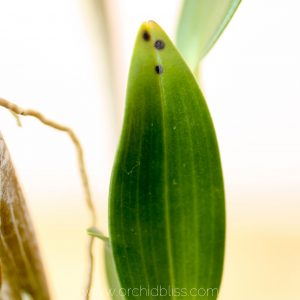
{"type": "Point", "coordinates": [146, 35]}
{"type": "Point", "coordinates": [159, 69]}
{"type": "Point", "coordinates": [159, 44]}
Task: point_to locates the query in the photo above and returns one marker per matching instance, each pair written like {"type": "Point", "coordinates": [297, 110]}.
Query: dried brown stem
{"type": "Point", "coordinates": [21, 265]}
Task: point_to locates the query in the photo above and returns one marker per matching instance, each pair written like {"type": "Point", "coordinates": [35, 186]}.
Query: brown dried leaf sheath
{"type": "Point", "coordinates": [21, 266]}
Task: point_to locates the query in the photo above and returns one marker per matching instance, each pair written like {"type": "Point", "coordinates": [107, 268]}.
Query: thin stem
{"type": "Point", "coordinates": [15, 109]}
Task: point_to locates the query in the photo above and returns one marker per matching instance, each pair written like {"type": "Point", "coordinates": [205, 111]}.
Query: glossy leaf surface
{"type": "Point", "coordinates": [166, 213]}
{"type": "Point", "coordinates": [201, 24]}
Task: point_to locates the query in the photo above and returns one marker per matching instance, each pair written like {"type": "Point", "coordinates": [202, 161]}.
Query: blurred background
{"type": "Point", "coordinates": [53, 59]}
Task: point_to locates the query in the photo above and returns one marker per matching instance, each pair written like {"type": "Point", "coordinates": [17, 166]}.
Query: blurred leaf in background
{"type": "Point", "coordinates": [167, 214]}
{"type": "Point", "coordinates": [104, 26]}
{"type": "Point", "coordinates": [201, 24]}
{"type": "Point", "coordinates": [21, 266]}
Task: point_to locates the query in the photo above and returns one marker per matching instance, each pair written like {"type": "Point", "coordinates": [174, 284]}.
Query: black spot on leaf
{"type": "Point", "coordinates": [159, 44]}
{"type": "Point", "coordinates": [159, 69]}
{"type": "Point", "coordinates": [146, 36]}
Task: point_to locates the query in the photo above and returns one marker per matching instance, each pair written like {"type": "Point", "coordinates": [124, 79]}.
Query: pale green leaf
{"type": "Point", "coordinates": [201, 24]}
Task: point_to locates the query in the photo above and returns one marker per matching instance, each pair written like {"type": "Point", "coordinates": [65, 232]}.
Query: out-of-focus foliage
{"type": "Point", "coordinates": [201, 24]}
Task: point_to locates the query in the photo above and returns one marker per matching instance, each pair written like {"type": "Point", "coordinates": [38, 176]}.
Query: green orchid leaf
{"type": "Point", "coordinates": [166, 210]}
{"type": "Point", "coordinates": [201, 24]}
{"type": "Point", "coordinates": [21, 266]}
